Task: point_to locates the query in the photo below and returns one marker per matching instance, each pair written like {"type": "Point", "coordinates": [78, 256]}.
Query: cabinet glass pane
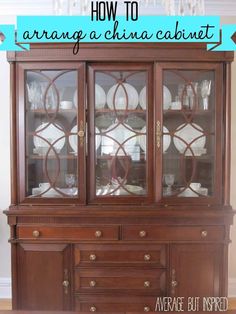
{"type": "Point", "coordinates": [51, 133]}
{"type": "Point", "coordinates": [121, 102]}
{"type": "Point", "coordinates": [188, 133]}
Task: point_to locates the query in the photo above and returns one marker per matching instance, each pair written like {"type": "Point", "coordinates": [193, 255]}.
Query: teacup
{"type": "Point", "coordinates": [44, 186]}
{"type": "Point", "coordinates": [195, 186]}
{"type": "Point", "coordinates": [66, 104]}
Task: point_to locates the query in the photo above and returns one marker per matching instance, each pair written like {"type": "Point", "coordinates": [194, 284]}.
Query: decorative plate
{"type": "Point", "coordinates": [73, 139]}
{"type": "Point", "coordinates": [167, 98]}
{"type": "Point", "coordinates": [166, 139]}
{"type": "Point", "coordinates": [122, 93]}
{"type": "Point", "coordinates": [51, 133]}
{"type": "Point", "coordinates": [119, 134]}
{"type": "Point", "coordinates": [189, 132]}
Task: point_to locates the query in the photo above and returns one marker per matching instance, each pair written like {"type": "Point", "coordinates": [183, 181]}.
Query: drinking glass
{"type": "Point", "coordinates": [70, 181]}
{"type": "Point", "coordinates": [169, 181]}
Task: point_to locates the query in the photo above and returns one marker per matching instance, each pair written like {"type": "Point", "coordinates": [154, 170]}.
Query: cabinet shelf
{"type": "Point", "coordinates": [188, 112]}
{"type": "Point", "coordinates": [50, 111]}
{"type": "Point", "coordinates": [39, 157]}
{"type": "Point", "coordinates": [121, 111]}
{"type": "Point", "coordinates": [202, 157]}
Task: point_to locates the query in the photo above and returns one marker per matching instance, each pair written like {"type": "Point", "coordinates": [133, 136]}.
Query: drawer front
{"type": "Point", "coordinates": [120, 279]}
{"type": "Point", "coordinates": [120, 254]}
{"type": "Point", "coordinates": [111, 304]}
{"type": "Point", "coordinates": [173, 233]}
{"type": "Point", "coordinates": [92, 233]}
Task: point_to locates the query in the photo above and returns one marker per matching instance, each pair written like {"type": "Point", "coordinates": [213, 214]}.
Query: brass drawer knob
{"type": "Point", "coordinates": [147, 284]}
{"type": "Point", "coordinates": [146, 308]}
{"type": "Point", "coordinates": [98, 234]}
{"type": "Point", "coordinates": [93, 309]}
{"type": "Point", "coordinates": [147, 257]}
{"type": "Point", "coordinates": [204, 234]}
{"type": "Point", "coordinates": [66, 283]}
{"type": "Point", "coordinates": [92, 257]}
{"type": "Point", "coordinates": [81, 133]}
{"type": "Point", "coordinates": [36, 233]}
{"type": "Point", "coordinates": [92, 283]}
{"type": "Point", "coordinates": [142, 234]}
{"type": "Point", "coordinates": [174, 283]}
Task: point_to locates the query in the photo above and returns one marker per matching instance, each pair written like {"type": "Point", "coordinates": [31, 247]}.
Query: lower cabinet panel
{"type": "Point", "coordinates": [106, 303]}
{"type": "Point", "coordinates": [56, 277]}
{"type": "Point", "coordinates": [42, 268]}
{"type": "Point", "coordinates": [197, 270]}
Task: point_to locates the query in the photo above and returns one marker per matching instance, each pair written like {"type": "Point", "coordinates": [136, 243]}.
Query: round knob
{"type": "Point", "coordinates": [98, 234]}
{"type": "Point", "coordinates": [66, 283]}
{"type": "Point", "coordinates": [147, 284]}
{"type": "Point", "coordinates": [146, 308]}
{"type": "Point", "coordinates": [174, 283]}
{"type": "Point", "coordinates": [81, 133]}
{"type": "Point", "coordinates": [147, 257]}
{"type": "Point", "coordinates": [204, 234]}
{"type": "Point", "coordinates": [142, 233]}
{"type": "Point", "coordinates": [36, 233]}
{"type": "Point", "coordinates": [93, 309]}
{"type": "Point", "coordinates": [92, 257]}
{"type": "Point", "coordinates": [92, 283]}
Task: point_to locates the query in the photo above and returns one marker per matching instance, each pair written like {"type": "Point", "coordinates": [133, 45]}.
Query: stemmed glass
{"type": "Point", "coordinates": [70, 181]}
{"type": "Point", "coordinates": [169, 181]}
{"type": "Point", "coordinates": [205, 93]}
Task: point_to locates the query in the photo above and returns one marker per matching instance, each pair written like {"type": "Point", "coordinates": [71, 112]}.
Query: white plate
{"type": "Point", "coordinates": [73, 139]}
{"type": "Point", "coordinates": [51, 132]}
{"type": "Point", "coordinates": [166, 139]}
{"type": "Point", "coordinates": [167, 98]}
{"type": "Point", "coordinates": [100, 97]}
{"type": "Point", "coordinates": [188, 133]}
{"type": "Point", "coordinates": [120, 133]}
{"type": "Point", "coordinates": [75, 99]}
{"type": "Point", "coordinates": [143, 98]}
{"type": "Point", "coordinates": [121, 93]}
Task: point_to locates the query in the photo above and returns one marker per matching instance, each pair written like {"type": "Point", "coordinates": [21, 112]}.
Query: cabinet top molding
{"type": "Point", "coordinates": [121, 52]}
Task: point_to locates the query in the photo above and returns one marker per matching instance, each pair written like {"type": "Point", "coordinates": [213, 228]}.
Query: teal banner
{"type": "Point", "coordinates": [79, 29]}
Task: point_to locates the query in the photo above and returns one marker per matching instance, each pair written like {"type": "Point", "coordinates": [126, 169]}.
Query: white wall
{"type": "Point", "coordinates": [5, 170]}
{"type": "Point", "coordinates": [5, 265]}
{"type": "Point", "coordinates": [4, 165]}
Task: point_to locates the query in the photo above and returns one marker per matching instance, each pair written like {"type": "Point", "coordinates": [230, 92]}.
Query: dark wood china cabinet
{"type": "Point", "coordinates": [120, 175]}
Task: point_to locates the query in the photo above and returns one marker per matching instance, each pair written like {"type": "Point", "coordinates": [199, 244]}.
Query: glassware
{"type": "Point", "coordinates": [205, 93]}
{"type": "Point", "coordinates": [70, 181]}
{"type": "Point", "coordinates": [169, 181]}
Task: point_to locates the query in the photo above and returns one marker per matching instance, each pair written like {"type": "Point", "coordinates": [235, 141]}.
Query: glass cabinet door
{"type": "Point", "coordinates": [53, 119]}
{"type": "Point", "coordinates": [190, 102]}
{"type": "Point", "coordinates": [119, 106]}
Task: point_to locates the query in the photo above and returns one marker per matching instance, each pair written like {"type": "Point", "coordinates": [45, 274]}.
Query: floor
{"type": "Point", "coordinates": [5, 304]}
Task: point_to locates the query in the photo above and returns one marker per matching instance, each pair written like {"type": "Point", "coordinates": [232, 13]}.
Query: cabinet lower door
{"type": "Point", "coordinates": [196, 270]}
{"type": "Point", "coordinates": [43, 277]}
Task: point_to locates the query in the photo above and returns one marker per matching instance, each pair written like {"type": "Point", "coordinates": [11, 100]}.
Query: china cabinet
{"type": "Point", "coordinates": [120, 175]}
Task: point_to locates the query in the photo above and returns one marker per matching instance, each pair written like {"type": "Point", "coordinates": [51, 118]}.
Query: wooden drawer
{"type": "Point", "coordinates": [120, 279]}
{"type": "Point", "coordinates": [111, 304]}
{"type": "Point", "coordinates": [173, 233]}
{"type": "Point", "coordinates": [92, 233]}
{"type": "Point", "coordinates": [124, 254]}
